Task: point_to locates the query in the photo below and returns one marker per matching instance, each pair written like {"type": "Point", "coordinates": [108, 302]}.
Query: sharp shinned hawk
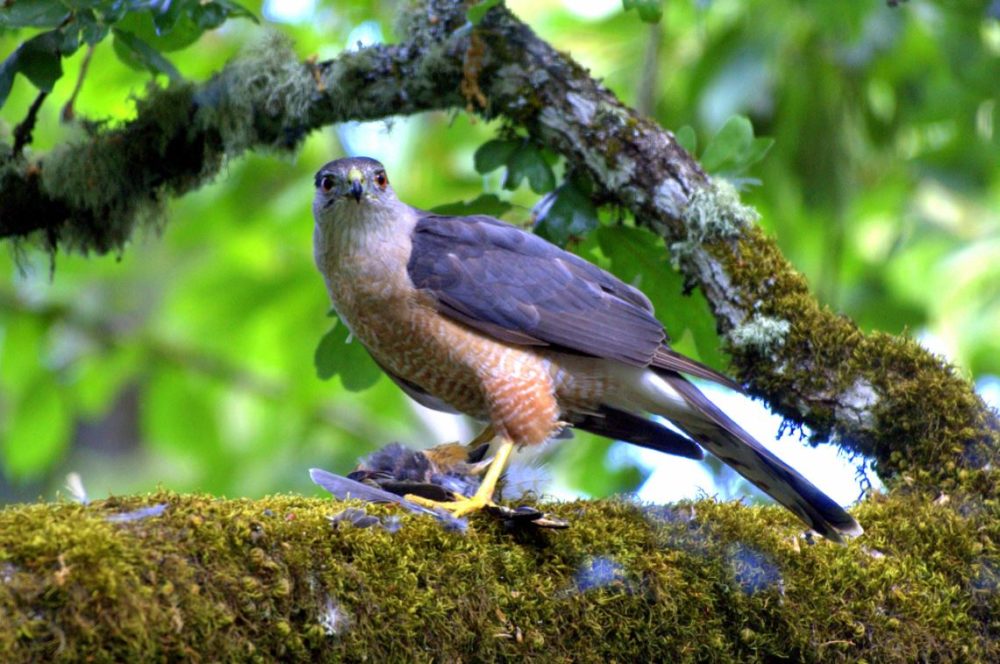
{"type": "Point", "coordinates": [474, 315]}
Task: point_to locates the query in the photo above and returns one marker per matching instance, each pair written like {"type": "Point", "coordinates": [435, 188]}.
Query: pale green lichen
{"type": "Point", "coordinates": [266, 90]}
{"type": "Point", "coordinates": [716, 211]}
{"type": "Point", "coordinates": [713, 212]}
{"type": "Point", "coordinates": [763, 334]}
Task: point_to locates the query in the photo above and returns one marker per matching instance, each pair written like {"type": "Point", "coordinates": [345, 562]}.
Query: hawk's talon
{"type": "Point", "coordinates": [457, 508]}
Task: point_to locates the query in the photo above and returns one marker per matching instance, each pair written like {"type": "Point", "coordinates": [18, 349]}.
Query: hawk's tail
{"type": "Point", "coordinates": [713, 429]}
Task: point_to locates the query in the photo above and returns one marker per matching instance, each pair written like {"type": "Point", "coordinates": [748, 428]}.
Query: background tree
{"type": "Point", "coordinates": [175, 329]}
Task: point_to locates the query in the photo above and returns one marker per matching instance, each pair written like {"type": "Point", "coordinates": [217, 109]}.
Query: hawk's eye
{"type": "Point", "coordinates": [326, 184]}
{"type": "Point", "coordinates": [381, 180]}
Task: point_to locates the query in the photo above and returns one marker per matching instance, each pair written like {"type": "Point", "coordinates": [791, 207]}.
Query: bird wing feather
{"type": "Point", "coordinates": [518, 288]}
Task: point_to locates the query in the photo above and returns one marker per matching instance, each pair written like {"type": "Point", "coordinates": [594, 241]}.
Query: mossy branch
{"type": "Point", "coordinates": [275, 580]}
{"type": "Point", "coordinates": [878, 395]}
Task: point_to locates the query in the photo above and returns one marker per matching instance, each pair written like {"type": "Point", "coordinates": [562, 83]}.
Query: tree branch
{"type": "Point", "coordinates": [879, 395]}
{"type": "Point", "coordinates": [279, 580]}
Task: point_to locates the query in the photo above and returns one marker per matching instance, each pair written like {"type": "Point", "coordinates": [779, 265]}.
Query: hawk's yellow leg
{"type": "Point", "coordinates": [484, 494]}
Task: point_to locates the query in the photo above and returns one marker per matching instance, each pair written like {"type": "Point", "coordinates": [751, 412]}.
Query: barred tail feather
{"type": "Point", "coordinates": [682, 402]}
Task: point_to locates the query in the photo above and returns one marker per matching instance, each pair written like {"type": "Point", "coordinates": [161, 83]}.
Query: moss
{"type": "Point", "coordinates": [272, 579]}
{"type": "Point", "coordinates": [885, 396]}
{"type": "Point", "coordinates": [105, 179]}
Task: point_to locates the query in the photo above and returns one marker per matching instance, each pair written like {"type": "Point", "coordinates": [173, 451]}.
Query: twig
{"type": "Point", "coordinates": [67, 110]}
{"type": "Point", "coordinates": [22, 133]}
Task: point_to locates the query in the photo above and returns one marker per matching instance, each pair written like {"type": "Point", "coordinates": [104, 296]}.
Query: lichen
{"type": "Point", "coordinates": [273, 580]}
{"type": "Point", "coordinates": [762, 334]}
{"type": "Point", "coordinates": [716, 212]}
{"type": "Point", "coordinates": [261, 96]}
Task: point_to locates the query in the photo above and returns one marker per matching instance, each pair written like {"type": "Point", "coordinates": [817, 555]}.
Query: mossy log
{"type": "Point", "coordinates": [278, 579]}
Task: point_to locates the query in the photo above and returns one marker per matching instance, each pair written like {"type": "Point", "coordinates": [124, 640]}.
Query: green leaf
{"type": "Point", "coordinates": [179, 415]}
{"type": "Point", "coordinates": [140, 55]}
{"type": "Point", "coordinates": [650, 11]}
{"type": "Point", "coordinates": [527, 161]}
{"type": "Point", "coordinates": [163, 31]}
{"type": "Point", "coordinates": [725, 147]}
{"type": "Point", "coordinates": [571, 214]}
{"type": "Point", "coordinates": [33, 14]}
{"type": "Point", "coordinates": [687, 139]}
{"type": "Point", "coordinates": [489, 204]}
{"type": "Point", "coordinates": [476, 12]}
{"type": "Point", "coordinates": [336, 356]}
{"type": "Point", "coordinates": [491, 155]}
{"type": "Point", "coordinates": [38, 429]}
{"type": "Point", "coordinates": [92, 30]}
{"type": "Point", "coordinates": [209, 16]}
{"type": "Point", "coordinates": [638, 257]}
{"type": "Point", "coordinates": [37, 59]}
{"type": "Point", "coordinates": [734, 149]}
{"type": "Point", "coordinates": [758, 150]}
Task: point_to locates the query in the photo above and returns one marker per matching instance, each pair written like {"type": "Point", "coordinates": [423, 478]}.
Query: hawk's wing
{"type": "Point", "coordinates": [518, 288]}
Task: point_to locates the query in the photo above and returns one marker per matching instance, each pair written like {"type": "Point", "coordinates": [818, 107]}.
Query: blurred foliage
{"type": "Point", "coordinates": [192, 358]}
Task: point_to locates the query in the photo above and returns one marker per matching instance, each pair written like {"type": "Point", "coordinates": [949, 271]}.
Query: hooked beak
{"type": "Point", "coordinates": [356, 191]}
{"type": "Point", "coordinates": [355, 176]}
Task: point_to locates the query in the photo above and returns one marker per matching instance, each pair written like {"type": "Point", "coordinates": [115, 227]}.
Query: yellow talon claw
{"type": "Point", "coordinates": [457, 508]}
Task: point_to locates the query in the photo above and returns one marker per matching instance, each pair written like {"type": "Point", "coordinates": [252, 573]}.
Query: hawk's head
{"type": "Point", "coordinates": [354, 181]}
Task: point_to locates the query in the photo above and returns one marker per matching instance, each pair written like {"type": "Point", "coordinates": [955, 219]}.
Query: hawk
{"type": "Point", "coordinates": [474, 315]}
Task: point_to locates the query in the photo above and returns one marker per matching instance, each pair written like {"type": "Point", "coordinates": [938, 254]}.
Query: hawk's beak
{"type": "Point", "coordinates": [355, 177]}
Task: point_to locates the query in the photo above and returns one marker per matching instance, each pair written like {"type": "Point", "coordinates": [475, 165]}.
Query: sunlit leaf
{"type": "Point", "coordinates": [527, 162]}
{"type": "Point", "coordinates": [336, 355]}
{"type": "Point", "coordinates": [37, 429]}
{"type": "Point", "coordinates": [734, 149]}
{"type": "Point", "coordinates": [489, 204]}
{"type": "Point", "coordinates": [493, 154]}
{"type": "Point", "coordinates": [725, 147]}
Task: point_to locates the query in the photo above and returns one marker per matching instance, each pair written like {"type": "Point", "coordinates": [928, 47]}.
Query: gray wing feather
{"type": "Point", "coordinates": [516, 287]}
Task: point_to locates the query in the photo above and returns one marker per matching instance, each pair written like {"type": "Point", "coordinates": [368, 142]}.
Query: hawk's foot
{"type": "Point", "coordinates": [484, 494]}
{"type": "Point", "coordinates": [456, 508]}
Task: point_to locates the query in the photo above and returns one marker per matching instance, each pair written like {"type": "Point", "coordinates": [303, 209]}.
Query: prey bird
{"type": "Point", "coordinates": [474, 315]}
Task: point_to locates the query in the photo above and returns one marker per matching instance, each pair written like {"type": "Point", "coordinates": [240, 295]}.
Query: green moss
{"type": "Point", "coordinates": [272, 579]}
{"type": "Point", "coordinates": [105, 178]}
{"type": "Point", "coordinates": [888, 397]}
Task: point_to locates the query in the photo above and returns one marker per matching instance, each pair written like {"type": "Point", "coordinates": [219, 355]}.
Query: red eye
{"type": "Point", "coordinates": [381, 180]}
{"type": "Point", "coordinates": [326, 184]}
